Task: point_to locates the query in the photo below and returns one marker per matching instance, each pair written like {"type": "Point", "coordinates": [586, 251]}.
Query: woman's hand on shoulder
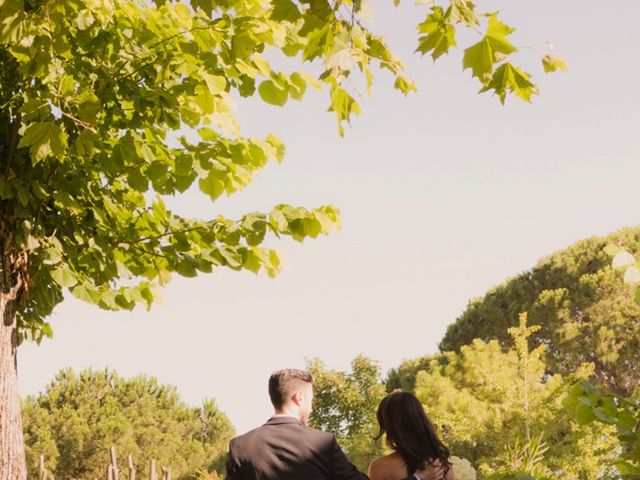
{"type": "Point", "coordinates": [433, 471]}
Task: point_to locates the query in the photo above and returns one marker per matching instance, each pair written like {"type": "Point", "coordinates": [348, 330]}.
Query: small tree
{"type": "Point", "coordinates": [93, 94]}
{"type": "Point", "coordinates": [346, 403]}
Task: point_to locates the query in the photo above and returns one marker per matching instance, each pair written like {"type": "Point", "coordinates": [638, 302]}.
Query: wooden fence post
{"type": "Point", "coordinates": [114, 464]}
{"type": "Point", "coordinates": [41, 468]}
{"type": "Point", "coordinates": [152, 470]}
{"type": "Point", "coordinates": [166, 473]}
{"type": "Point", "coordinates": [132, 469]}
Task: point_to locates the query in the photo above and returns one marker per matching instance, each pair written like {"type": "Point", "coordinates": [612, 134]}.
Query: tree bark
{"type": "Point", "coordinates": [12, 456]}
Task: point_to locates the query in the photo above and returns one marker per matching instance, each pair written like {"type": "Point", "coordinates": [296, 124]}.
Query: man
{"type": "Point", "coordinates": [285, 448]}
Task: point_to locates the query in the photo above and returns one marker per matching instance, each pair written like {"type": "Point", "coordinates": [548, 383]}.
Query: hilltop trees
{"type": "Point", "coordinates": [78, 417]}
{"type": "Point", "coordinates": [585, 311]}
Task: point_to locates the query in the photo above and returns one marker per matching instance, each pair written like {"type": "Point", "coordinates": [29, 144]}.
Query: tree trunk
{"type": "Point", "coordinates": [12, 458]}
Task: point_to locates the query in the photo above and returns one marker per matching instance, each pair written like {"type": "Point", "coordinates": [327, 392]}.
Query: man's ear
{"type": "Point", "coordinates": [296, 398]}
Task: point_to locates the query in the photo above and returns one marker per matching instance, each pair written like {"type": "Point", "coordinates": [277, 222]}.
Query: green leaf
{"type": "Point", "coordinates": [22, 194]}
{"type": "Point", "coordinates": [462, 11]}
{"type": "Point", "coordinates": [584, 414]}
{"type": "Point", "coordinates": [285, 10]}
{"type": "Point", "coordinates": [261, 64]}
{"type": "Point", "coordinates": [279, 146]}
{"type": "Point", "coordinates": [212, 186]}
{"type": "Point", "coordinates": [317, 42]}
{"type": "Point", "coordinates": [344, 105]}
{"type": "Point", "coordinates": [88, 293]}
{"type": "Point", "coordinates": [508, 78]}
{"type": "Point", "coordinates": [84, 19]}
{"type": "Point", "coordinates": [6, 190]}
{"type": "Point", "coordinates": [497, 33]}
{"type": "Point", "coordinates": [405, 85]}
{"type": "Point", "coordinates": [205, 100]}
{"type": "Point", "coordinates": [137, 180]}
{"type": "Point", "coordinates": [52, 256]}
{"type": "Point", "coordinates": [88, 107]}
{"type": "Point", "coordinates": [342, 59]}
{"type": "Point", "coordinates": [440, 34]}
{"type": "Point", "coordinates": [215, 83]}
{"type": "Point", "coordinates": [187, 268]}
{"type": "Point", "coordinates": [297, 86]}
{"type": "Point", "coordinates": [479, 58]}
{"type": "Point", "coordinates": [553, 64]}
{"type": "Point", "coordinates": [254, 228]}
{"type": "Point", "coordinates": [64, 277]}
{"type": "Point", "coordinates": [44, 139]}
{"type": "Point", "coordinates": [272, 93]}
{"type": "Point", "coordinates": [493, 48]}
{"type": "Point", "coordinates": [12, 21]}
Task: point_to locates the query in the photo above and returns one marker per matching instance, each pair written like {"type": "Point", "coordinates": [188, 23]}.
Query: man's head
{"type": "Point", "coordinates": [291, 392]}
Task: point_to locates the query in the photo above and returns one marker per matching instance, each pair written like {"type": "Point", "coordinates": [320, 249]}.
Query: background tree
{"type": "Point", "coordinates": [345, 403]}
{"type": "Point", "coordinates": [78, 417]}
{"type": "Point", "coordinates": [95, 96]}
{"type": "Point", "coordinates": [489, 403]}
{"type": "Point", "coordinates": [585, 311]}
{"type": "Point", "coordinates": [405, 375]}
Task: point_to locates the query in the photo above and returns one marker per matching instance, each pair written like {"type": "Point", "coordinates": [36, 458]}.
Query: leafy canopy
{"type": "Point", "coordinates": [95, 99]}
{"type": "Point", "coordinates": [585, 311]}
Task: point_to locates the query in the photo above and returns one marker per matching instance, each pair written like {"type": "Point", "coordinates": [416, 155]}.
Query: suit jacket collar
{"type": "Point", "coordinates": [283, 420]}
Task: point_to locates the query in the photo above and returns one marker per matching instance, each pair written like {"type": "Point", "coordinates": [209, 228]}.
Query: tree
{"type": "Point", "coordinates": [75, 421]}
{"type": "Point", "coordinates": [496, 408]}
{"type": "Point", "coordinates": [93, 97]}
{"type": "Point", "coordinates": [585, 311]}
{"type": "Point", "coordinates": [346, 404]}
{"type": "Point", "coordinates": [404, 376]}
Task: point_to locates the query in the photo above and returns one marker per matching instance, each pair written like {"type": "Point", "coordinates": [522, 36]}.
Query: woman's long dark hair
{"type": "Point", "coordinates": [409, 431]}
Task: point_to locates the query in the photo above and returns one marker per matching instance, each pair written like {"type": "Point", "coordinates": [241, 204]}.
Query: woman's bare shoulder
{"type": "Point", "coordinates": [387, 467]}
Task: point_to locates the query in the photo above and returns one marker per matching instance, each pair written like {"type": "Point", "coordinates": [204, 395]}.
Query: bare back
{"type": "Point", "coordinates": [393, 467]}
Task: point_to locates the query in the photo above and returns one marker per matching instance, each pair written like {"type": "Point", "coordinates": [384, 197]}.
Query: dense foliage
{"type": "Point", "coordinates": [345, 403]}
{"type": "Point", "coordinates": [493, 406]}
{"type": "Point", "coordinates": [76, 420]}
{"type": "Point", "coordinates": [586, 312]}
{"type": "Point", "coordinates": [497, 408]}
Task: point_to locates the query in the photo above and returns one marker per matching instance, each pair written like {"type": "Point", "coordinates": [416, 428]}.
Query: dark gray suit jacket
{"type": "Point", "coordinates": [285, 449]}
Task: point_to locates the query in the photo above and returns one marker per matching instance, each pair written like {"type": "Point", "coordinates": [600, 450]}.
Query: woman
{"type": "Point", "coordinates": [412, 438]}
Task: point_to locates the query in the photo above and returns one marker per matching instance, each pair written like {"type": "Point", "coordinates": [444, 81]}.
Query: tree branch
{"type": "Point", "coordinates": [14, 125]}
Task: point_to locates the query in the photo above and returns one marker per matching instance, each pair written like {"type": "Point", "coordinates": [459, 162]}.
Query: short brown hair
{"type": "Point", "coordinates": [282, 384]}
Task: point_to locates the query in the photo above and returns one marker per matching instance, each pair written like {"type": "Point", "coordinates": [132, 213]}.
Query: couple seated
{"type": "Point", "coordinates": [284, 448]}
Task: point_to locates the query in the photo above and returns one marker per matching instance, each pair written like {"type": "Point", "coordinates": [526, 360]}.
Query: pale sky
{"type": "Point", "coordinates": [443, 194]}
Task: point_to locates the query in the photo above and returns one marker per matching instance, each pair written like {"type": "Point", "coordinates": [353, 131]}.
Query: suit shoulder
{"type": "Point", "coordinates": [318, 433]}
{"type": "Point", "coordinates": [240, 439]}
